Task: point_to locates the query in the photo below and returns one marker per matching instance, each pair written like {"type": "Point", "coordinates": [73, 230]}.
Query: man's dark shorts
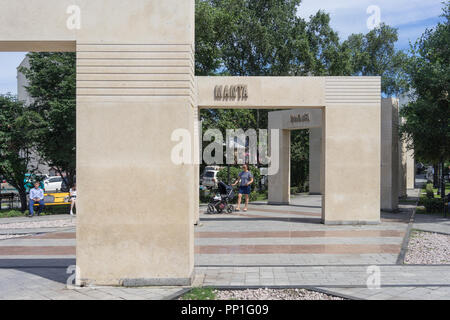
{"type": "Point", "coordinates": [245, 189]}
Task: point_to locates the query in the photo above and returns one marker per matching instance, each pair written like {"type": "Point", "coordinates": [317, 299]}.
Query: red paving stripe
{"type": "Point", "coordinates": [300, 249]}
{"type": "Point", "coordinates": [57, 235]}
{"type": "Point", "coordinates": [302, 234]}
{"type": "Point", "coordinates": [36, 250]}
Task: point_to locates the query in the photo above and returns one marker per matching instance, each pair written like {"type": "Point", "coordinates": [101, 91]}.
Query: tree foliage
{"type": "Point", "coordinates": [374, 54]}
{"type": "Point", "coordinates": [268, 38]}
{"type": "Point", "coordinates": [427, 128]}
{"type": "Point", "coordinates": [52, 85]}
{"type": "Point", "coordinates": [18, 134]}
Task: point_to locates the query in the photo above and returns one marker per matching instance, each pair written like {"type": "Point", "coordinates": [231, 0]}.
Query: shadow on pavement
{"type": "Point", "coordinates": [51, 269]}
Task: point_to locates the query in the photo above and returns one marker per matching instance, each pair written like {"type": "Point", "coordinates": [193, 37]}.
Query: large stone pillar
{"type": "Point", "coordinates": [315, 154]}
{"type": "Point", "coordinates": [402, 168]}
{"type": "Point", "coordinates": [280, 182]}
{"type": "Point", "coordinates": [410, 169]}
{"type": "Point", "coordinates": [389, 155]}
{"type": "Point", "coordinates": [352, 151]}
{"type": "Point", "coordinates": [135, 89]}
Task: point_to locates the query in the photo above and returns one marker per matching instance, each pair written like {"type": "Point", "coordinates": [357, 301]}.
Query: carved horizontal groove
{"type": "Point", "coordinates": [135, 51]}
{"type": "Point", "coordinates": [131, 91]}
{"type": "Point", "coordinates": [133, 84]}
{"type": "Point", "coordinates": [134, 95]}
{"type": "Point", "coordinates": [134, 77]}
{"type": "Point", "coordinates": [135, 70]}
{"type": "Point", "coordinates": [355, 90]}
{"type": "Point", "coordinates": [136, 48]}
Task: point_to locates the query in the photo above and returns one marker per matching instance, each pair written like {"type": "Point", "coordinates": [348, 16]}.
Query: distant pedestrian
{"type": "Point", "coordinates": [73, 198]}
{"type": "Point", "coordinates": [36, 196]}
{"type": "Point", "coordinates": [246, 179]}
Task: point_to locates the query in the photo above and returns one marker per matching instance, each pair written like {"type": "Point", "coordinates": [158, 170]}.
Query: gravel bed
{"type": "Point", "coordinates": [39, 224]}
{"type": "Point", "coordinates": [428, 248]}
{"type": "Point", "coordinates": [272, 294]}
{"type": "Point", "coordinates": [11, 236]}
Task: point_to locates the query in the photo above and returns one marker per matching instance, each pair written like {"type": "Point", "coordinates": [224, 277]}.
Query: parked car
{"type": "Point", "coordinates": [53, 184]}
{"type": "Point", "coordinates": [211, 168]}
{"type": "Point", "coordinates": [210, 179]}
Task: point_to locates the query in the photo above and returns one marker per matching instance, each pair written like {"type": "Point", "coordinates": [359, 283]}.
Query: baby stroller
{"type": "Point", "coordinates": [221, 200]}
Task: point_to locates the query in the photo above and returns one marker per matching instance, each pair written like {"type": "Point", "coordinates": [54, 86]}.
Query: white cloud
{"type": "Point", "coordinates": [350, 16]}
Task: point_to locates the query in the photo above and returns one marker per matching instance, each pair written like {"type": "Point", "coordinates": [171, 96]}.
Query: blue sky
{"type": "Point", "coordinates": [411, 17]}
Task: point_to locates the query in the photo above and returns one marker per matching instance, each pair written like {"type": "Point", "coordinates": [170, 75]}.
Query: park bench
{"type": "Point", "coordinates": [56, 199]}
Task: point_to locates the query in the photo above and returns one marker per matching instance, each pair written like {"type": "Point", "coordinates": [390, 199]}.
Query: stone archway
{"type": "Point", "coordinates": [135, 87]}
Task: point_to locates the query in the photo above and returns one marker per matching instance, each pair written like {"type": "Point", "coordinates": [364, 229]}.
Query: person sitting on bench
{"type": "Point", "coordinates": [36, 196]}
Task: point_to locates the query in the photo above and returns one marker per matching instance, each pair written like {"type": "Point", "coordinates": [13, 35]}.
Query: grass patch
{"type": "Point", "coordinates": [421, 210]}
{"type": "Point", "coordinates": [423, 193]}
{"type": "Point", "coordinates": [261, 196]}
{"type": "Point", "coordinates": [48, 211]}
{"type": "Point", "coordinates": [11, 213]}
{"type": "Point", "coordinates": [200, 294]}
{"type": "Point", "coordinates": [407, 201]}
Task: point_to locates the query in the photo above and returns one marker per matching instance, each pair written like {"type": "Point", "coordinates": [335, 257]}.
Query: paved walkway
{"type": "Point", "coordinates": [294, 235]}
{"type": "Point", "coordinates": [432, 223]}
{"type": "Point", "coordinates": [281, 246]}
{"type": "Point", "coordinates": [396, 282]}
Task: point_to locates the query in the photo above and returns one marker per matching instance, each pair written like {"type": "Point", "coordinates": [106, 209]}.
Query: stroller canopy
{"type": "Point", "coordinates": [223, 188]}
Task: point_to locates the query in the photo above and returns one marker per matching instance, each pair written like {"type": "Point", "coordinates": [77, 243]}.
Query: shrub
{"type": "Point", "coordinates": [294, 190]}
{"type": "Point", "coordinates": [429, 190]}
{"type": "Point", "coordinates": [205, 196]}
{"type": "Point", "coordinates": [432, 205]}
{"type": "Point", "coordinates": [253, 196]}
{"type": "Point", "coordinates": [222, 175]}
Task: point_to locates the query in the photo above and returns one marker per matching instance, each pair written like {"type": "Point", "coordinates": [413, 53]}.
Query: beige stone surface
{"type": "Point", "coordinates": [389, 154]}
{"type": "Point", "coordinates": [150, 22]}
{"type": "Point", "coordinates": [135, 85]}
{"type": "Point", "coordinates": [265, 92]}
{"type": "Point", "coordinates": [351, 135]}
{"type": "Point", "coordinates": [136, 207]}
{"type": "Point", "coordinates": [279, 183]}
{"type": "Point", "coordinates": [410, 169]}
{"type": "Point", "coordinates": [315, 155]}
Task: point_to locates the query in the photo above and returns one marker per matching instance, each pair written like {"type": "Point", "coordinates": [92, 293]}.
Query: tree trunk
{"type": "Point", "coordinates": [442, 183]}
{"type": "Point", "coordinates": [23, 199]}
{"type": "Point", "coordinates": [435, 176]}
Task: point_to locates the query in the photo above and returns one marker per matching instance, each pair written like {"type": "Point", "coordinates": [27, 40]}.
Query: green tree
{"type": "Point", "coordinates": [265, 38]}
{"type": "Point", "coordinates": [427, 129]}
{"type": "Point", "coordinates": [374, 54]}
{"type": "Point", "coordinates": [18, 134]}
{"type": "Point", "coordinates": [52, 85]}
{"type": "Point", "coordinates": [300, 159]}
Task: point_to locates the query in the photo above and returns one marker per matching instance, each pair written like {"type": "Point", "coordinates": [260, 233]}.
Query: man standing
{"type": "Point", "coordinates": [36, 196]}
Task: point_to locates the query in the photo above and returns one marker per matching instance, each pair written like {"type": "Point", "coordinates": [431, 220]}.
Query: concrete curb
{"type": "Point", "coordinates": [404, 249]}
{"type": "Point", "coordinates": [178, 294]}
{"type": "Point", "coordinates": [310, 288]}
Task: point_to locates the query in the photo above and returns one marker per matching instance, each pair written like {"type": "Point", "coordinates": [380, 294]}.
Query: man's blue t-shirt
{"type": "Point", "coordinates": [245, 177]}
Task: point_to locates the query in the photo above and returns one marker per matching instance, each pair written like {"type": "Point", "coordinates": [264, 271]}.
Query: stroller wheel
{"type": "Point", "coordinates": [210, 209]}
{"type": "Point", "coordinates": [230, 209]}
{"type": "Point", "coordinates": [219, 211]}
